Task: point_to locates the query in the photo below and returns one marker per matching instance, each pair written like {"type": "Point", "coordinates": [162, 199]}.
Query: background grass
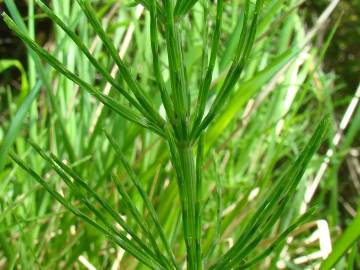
{"type": "Point", "coordinates": [273, 112]}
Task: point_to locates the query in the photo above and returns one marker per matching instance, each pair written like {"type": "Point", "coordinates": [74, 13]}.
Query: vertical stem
{"type": "Point", "coordinates": [188, 175]}
{"type": "Point", "coordinates": [198, 217]}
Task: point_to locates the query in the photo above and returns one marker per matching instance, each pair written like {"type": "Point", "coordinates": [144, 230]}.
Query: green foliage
{"type": "Point", "coordinates": [212, 102]}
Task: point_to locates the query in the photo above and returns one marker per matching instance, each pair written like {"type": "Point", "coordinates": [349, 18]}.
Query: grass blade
{"type": "Point", "coordinates": [17, 121]}
{"type": "Point", "coordinates": [16, 124]}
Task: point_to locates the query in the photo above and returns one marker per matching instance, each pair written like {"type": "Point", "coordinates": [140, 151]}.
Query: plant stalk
{"type": "Point", "coordinates": [188, 178]}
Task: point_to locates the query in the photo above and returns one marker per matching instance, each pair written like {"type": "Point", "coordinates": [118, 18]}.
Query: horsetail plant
{"type": "Point", "coordinates": [183, 129]}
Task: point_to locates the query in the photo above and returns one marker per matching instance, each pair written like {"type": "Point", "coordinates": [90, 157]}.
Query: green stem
{"type": "Point", "coordinates": [188, 178]}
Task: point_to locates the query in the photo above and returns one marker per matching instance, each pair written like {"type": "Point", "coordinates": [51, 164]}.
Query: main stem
{"type": "Point", "coordinates": [187, 184]}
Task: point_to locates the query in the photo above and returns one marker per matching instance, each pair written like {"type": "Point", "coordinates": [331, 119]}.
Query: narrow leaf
{"type": "Point", "coordinates": [278, 196]}
{"type": "Point", "coordinates": [145, 198]}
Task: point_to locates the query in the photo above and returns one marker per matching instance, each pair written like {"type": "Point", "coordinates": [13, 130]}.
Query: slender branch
{"type": "Point", "coordinates": [155, 53]}
{"type": "Point", "coordinates": [244, 49]}
{"type": "Point", "coordinates": [145, 198]}
{"type": "Point", "coordinates": [205, 86]}
{"type": "Point", "coordinates": [88, 54]}
{"type": "Point", "coordinates": [124, 71]}
{"type": "Point", "coordinates": [180, 93]}
{"type": "Point", "coordinates": [108, 101]}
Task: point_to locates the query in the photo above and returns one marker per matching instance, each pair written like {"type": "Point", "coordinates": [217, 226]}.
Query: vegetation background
{"type": "Point", "coordinates": [273, 112]}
